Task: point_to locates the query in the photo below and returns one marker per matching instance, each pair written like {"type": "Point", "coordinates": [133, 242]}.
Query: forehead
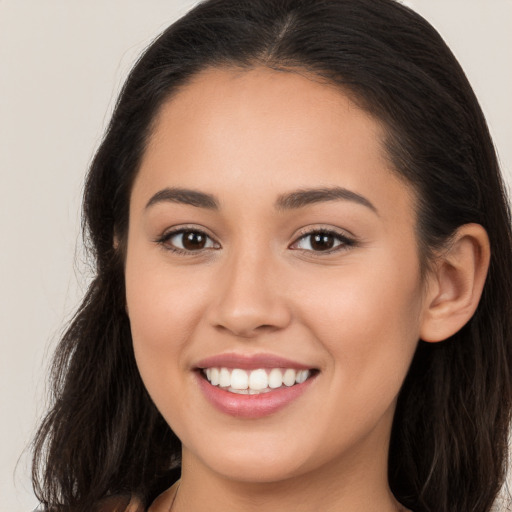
{"type": "Point", "coordinates": [227, 106]}
{"type": "Point", "coordinates": [264, 132]}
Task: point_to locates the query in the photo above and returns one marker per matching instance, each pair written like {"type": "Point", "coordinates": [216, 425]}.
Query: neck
{"type": "Point", "coordinates": [283, 496]}
{"type": "Point", "coordinates": [353, 484]}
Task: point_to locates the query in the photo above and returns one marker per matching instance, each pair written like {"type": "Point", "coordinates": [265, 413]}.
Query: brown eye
{"type": "Point", "coordinates": [188, 240]}
{"type": "Point", "coordinates": [322, 241]}
{"type": "Point", "coordinates": [193, 240]}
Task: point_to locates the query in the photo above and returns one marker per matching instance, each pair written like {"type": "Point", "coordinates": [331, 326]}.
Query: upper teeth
{"type": "Point", "coordinates": [256, 381]}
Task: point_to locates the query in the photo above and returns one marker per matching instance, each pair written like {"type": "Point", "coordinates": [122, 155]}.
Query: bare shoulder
{"type": "Point", "coordinates": [123, 503]}
{"type": "Point", "coordinates": [165, 501]}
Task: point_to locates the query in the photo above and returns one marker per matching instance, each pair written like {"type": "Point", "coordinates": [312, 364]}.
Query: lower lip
{"type": "Point", "coordinates": [251, 406]}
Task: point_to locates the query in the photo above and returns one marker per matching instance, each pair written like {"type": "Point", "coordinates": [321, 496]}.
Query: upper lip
{"type": "Point", "coordinates": [250, 362]}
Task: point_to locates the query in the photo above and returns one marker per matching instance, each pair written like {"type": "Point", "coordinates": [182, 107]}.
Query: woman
{"type": "Point", "coordinates": [303, 288]}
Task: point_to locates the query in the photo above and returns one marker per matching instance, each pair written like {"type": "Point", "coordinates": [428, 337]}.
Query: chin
{"type": "Point", "coordinates": [257, 471]}
{"type": "Point", "coordinates": [254, 460]}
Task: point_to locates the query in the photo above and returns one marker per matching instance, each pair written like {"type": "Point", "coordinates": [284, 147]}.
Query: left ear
{"type": "Point", "coordinates": [455, 284]}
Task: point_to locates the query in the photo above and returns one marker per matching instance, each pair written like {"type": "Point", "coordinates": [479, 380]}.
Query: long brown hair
{"type": "Point", "coordinates": [104, 437]}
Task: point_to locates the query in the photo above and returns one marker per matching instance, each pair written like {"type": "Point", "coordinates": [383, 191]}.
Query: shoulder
{"type": "Point", "coordinates": [122, 503]}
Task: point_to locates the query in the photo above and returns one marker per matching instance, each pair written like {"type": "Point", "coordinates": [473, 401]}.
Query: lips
{"type": "Point", "coordinates": [261, 380]}
{"type": "Point", "coordinates": [252, 386]}
{"type": "Point", "coordinates": [250, 362]}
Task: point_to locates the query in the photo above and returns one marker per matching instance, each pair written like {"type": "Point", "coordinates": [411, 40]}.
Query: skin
{"type": "Point", "coordinates": [355, 314]}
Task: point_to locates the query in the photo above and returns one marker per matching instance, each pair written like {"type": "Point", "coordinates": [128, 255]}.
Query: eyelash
{"type": "Point", "coordinates": [344, 241]}
{"type": "Point", "coordinates": [164, 240]}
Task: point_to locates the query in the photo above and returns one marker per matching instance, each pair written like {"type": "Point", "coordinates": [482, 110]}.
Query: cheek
{"type": "Point", "coordinates": [162, 309]}
{"type": "Point", "coordinates": [162, 313]}
{"type": "Point", "coordinates": [368, 320]}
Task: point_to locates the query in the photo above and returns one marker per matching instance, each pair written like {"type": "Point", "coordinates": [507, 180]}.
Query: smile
{"type": "Point", "coordinates": [254, 382]}
{"type": "Point", "coordinates": [253, 386]}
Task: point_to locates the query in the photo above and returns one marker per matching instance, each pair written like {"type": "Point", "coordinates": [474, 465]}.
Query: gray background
{"type": "Point", "coordinates": [62, 63]}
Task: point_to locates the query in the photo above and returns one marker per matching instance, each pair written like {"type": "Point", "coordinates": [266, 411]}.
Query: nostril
{"type": "Point", "coordinates": [246, 307]}
{"type": "Point", "coordinates": [247, 332]}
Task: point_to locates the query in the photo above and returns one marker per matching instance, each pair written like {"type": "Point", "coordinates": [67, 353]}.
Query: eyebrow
{"type": "Point", "coordinates": [289, 201]}
{"type": "Point", "coordinates": [184, 196]}
{"type": "Point", "coordinates": [306, 197]}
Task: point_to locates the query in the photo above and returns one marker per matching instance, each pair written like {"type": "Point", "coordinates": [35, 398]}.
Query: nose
{"type": "Point", "coordinates": [250, 299]}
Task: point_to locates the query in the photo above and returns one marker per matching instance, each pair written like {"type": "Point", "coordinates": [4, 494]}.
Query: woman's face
{"type": "Point", "coordinates": [268, 241]}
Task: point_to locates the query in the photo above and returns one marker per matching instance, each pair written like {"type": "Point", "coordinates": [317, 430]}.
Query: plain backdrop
{"type": "Point", "coordinates": [62, 63]}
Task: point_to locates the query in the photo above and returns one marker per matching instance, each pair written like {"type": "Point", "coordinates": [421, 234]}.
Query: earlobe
{"type": "Point", "coordinates": [456, 283]}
